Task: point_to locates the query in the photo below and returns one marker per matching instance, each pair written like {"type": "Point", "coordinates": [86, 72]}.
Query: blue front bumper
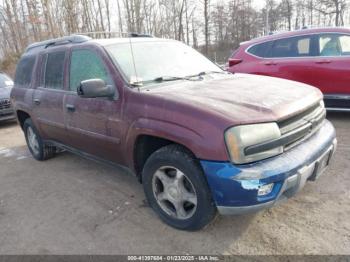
{"type": "Point", "coordinates": [235, 187]}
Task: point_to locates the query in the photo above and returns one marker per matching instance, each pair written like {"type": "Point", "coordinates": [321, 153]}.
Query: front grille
{"type": "Point", "coordinates": [5, 104]}
{"type": "Point", "coordinates": [293, 130]}
{"type": "Point", "coordinates": [301, 126]}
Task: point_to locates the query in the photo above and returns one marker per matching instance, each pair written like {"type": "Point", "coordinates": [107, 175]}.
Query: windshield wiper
{"type": "Point", "coordinates": [207, 73]}
{"type": "Point", "coordinates": [169, 78]}
{"type": "Point", "coordinates": [161, 79]}
{"type": "Point", "coordinates": [188, 78]}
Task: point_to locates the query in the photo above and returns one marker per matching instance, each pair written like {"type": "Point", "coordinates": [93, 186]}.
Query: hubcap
{"type": "Point", "coordinates": [174, 192]}
{"type": "Point", "coordinates": [32, 140]}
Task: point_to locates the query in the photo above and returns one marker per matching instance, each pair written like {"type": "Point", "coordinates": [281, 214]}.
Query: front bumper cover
{"type": "Point", "coordinates": [7, 114]}
{"type": "Point", "coordinates": [235, 187]}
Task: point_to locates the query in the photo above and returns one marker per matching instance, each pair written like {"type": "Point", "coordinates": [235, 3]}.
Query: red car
{"type": "Point", "coordinates": [318, 57]}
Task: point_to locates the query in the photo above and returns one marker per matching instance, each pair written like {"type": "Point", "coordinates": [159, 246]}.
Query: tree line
{"type": "Point", "coordinates": [215, 27]}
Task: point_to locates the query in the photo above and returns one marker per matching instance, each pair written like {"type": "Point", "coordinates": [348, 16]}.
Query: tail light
{"type": "Point", "coordinates": [234, 61]}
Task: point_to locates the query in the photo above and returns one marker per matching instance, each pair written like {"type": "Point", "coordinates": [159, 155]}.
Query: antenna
{"type": "Point", "coordinates": [137, 84]}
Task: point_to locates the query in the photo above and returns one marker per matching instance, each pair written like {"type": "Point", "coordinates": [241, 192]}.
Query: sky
{"type": "Point", "coordinates": [259, 4]}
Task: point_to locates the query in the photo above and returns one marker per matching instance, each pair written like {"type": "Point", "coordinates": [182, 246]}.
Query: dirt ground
{"type": "Point", "coordinates": [70, 205]}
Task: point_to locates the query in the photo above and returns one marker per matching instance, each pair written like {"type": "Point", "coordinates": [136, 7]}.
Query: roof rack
{"type": "Point", "coordinates": [80, 38]}
{"type": "Point", "coordinates": [75, 39]}
{"type": "Point", "coordinates": [139, 35]}
{"type": "Point", "coordinates": [104, 34]}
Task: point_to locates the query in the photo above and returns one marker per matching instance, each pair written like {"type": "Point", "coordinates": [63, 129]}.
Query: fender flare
{"type": "Point", "coordinates": [176, 133]}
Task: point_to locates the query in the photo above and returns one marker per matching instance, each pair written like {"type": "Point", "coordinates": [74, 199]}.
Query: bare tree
{"type": "Point", "coordinates": [206, 25]}
{"type": "Point", "coordinates": [215, 28]}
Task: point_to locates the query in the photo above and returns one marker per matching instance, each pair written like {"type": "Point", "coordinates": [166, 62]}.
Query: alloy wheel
{"type": "Point", "coordinates": [33, 140]}
{"type": "Point", "coordinates": [174, 192]}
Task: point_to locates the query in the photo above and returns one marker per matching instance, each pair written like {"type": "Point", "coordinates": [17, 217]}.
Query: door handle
{"type": "Point", "coordinates": [268, 63]}
{"type": "Point", "coordinates": [37, 101]}
{"type": "Point", "coordinates": [70, 108]}
{"type": "Point", "coordinates": [323, 61]}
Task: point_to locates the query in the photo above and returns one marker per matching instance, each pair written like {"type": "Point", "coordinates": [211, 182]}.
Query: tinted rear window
{"type": "Point", "coordinates": [24, 71]}
{"type": "Point", "coordinates": [54, 70]}
{"type": "Point", "coordinates": [260, 50]}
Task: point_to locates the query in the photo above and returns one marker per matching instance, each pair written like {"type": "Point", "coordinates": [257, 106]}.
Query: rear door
{"type": "Point", "coordinates": [293, 58]}
{"type": "Point", "coordinates": [48, 96]}
{"type": "Point", "coordinates": [94, 124]}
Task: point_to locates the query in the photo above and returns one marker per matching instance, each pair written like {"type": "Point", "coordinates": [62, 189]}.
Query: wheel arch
{"type": "Point", "coordinates": [22, 116]}
{"type": "Point", "coordinates": [146, 137]}
{"type": "Point", "coordinates": [145, 145]}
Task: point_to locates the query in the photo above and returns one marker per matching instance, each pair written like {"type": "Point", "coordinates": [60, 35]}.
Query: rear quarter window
{"type": "Point", "coordinates": [24, 71]}
{"type": "Point", "coordinates": [260, 50]}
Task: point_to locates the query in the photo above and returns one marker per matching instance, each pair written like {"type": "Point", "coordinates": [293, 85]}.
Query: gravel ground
{"type": "Point", "coordinates": [69, 205]}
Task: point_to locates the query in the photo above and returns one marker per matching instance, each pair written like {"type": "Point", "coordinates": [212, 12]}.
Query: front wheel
{"type": "Point", "coordinates": [176, 189]}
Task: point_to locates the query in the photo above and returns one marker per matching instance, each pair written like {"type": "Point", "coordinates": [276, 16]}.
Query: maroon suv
{"type": "Point", "coordinates": [201, 140]}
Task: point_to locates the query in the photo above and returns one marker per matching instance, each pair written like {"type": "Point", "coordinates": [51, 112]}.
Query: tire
{"type": "Point", "coordinates": [177, 190]}
{"type": "Point", "coordinates": [37, 148]}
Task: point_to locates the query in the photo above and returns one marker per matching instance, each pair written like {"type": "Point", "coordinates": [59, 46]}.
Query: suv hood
{"type": "Point", "coordinates": [243, 98]}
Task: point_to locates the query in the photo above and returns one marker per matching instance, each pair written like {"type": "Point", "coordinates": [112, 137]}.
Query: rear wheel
{"type": "Point", "coordinates": [37, 148]}
{"type": "Point", "coordinates": [176, 189]}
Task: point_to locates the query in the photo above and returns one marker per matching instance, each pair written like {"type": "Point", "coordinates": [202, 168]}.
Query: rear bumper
{"type": "Point", "coordinates": [235, 187]}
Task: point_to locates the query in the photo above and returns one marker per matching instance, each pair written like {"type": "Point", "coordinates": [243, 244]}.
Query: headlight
{"type": "Point", "coordinates": [322, 104]}
{"type": "Point", "coordinates": [240, 137]}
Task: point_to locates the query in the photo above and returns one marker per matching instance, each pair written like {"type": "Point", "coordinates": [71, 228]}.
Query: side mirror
{"type": "Point", "coordinates": [95, 88]}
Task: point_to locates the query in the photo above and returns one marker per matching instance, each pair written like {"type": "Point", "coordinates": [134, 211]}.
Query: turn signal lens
{"type": "Point", "coordinates": [265, 189]}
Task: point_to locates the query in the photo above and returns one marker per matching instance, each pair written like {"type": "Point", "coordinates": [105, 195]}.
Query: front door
{"type": "Point", "coordinates": [94, 124]}
{"type": "Point", "coordinates": [333, 64]}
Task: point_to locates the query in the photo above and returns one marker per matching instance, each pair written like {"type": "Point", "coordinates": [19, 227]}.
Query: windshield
{"type": "Point", "coordinates": [5, 81]}
{"type": "Point", "coordinates": [155, 60]}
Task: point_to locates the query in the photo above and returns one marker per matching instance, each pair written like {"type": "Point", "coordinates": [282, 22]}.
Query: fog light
{"type": "Point", "coordinates": [265, 189]}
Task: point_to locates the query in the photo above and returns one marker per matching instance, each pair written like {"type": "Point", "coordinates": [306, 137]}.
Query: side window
{"type": "Point", "coordinates": [345, 44]}
{"type": "Point", "coordinates": [260, 50]}
{"type": "Point", "coordinates": [304, 46]}
{"type": "Point", "coordinates": [54, 67]}
{"type": "Point", "coordinates": [84, 65]}
{"type": "Point", "coordinates": [292, 47]}
{"type": "Point", "coordinates": [24, 71]}
{"type": "Point", "coordinates": [334, 45]}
